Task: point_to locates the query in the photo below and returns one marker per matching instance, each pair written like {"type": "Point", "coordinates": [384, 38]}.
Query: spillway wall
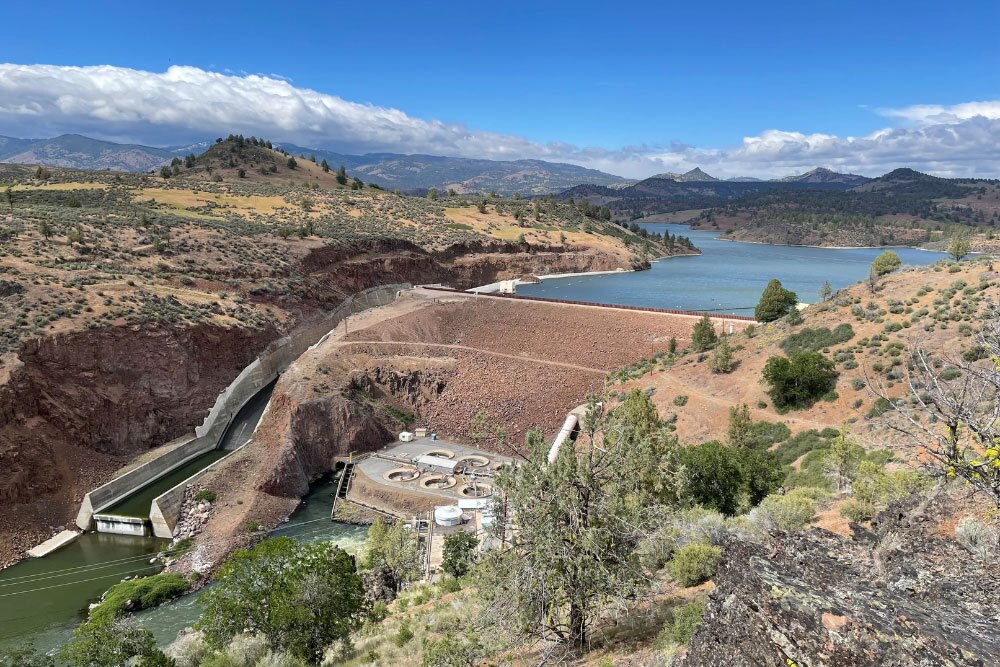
{"type": "Point", "coordinates": [263, 370]}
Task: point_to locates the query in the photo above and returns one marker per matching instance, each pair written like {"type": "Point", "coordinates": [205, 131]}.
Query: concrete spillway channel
{"type": "Point", "coordinates": [120, 505]}
{"type": "Point", "coordinates": [41, 598]}
{"type": "Point", "coordinates": [131, 515]}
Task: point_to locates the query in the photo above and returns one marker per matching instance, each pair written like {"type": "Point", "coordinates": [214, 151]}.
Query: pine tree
{"type": "Point", "coordinates": [886, 263]}
{"type": "Point", "coordinates": [739, 431]}
{"type": "Point", "coordinates": [959, 247]}
{"type": "Point", "coordinates": [342, 175]}
{"type": "Point", "coordinates": [721, 360]}
{"type": "Point", "coordinates": [775, 302]}
{"type": "Point", "coordinates": [703, 337]}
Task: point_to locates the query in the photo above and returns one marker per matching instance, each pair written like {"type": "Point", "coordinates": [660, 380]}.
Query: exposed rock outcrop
{"type": "Point", "coordinates": [900, 595]}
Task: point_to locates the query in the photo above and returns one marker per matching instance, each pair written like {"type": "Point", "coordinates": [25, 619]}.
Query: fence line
{"type": "Point", "coordinates": [648, 309]}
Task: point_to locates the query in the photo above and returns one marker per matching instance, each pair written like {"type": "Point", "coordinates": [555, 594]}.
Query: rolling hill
{"type": "Point", "coordinates": [389, 170]}
{"type": "Point", "coordinates": [464, 175]}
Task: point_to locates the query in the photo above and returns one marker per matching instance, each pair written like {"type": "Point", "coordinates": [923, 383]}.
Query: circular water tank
{"type": "Point", "coordinates": [449, 515]}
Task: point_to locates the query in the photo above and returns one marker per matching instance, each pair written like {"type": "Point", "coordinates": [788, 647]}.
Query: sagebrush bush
{"type": "Point", "coordinates": [687, 618]}
{"type": "Point", "coordinates": [787, 512]}
{"type": "Point", "coordinates": [976, 536]}
{"type": "Point", "coordinates": [694, 563]}
{"type": "Point", "coordinates": [857, 511]}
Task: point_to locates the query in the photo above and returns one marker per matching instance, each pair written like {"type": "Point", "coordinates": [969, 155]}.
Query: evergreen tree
{"type": "Point", "coordinates": [342, 175]}
{"type": "Point", "coordinates": [703, 337]}
{"type": "Point", "coordinates": [775, 302]}
{"type": "Point", "coordinates": [739, 431]}
{"type": "Point", "coordinates": [581, 522]}
{"type": "Point", "coordinates": [459, 553]}
{"type": "Point", "coordinates": [885, 263]}
{"type": "Point", "coordinates": [292, 164]}
{"type": "Point", "coordinates": [325, 166]}
{"type": "Point", "coordinates": [721, 360]}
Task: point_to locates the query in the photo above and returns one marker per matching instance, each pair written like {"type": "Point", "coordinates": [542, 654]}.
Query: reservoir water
{"type": "Point", "coordinates": [727, 277]}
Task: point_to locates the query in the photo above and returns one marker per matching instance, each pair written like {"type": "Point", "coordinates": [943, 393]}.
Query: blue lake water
{"type": "Point", "coordinates": [727, 277]}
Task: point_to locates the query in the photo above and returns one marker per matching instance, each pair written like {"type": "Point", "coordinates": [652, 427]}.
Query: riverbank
{"type": "Point", "coordinates": [727, 277]}
{"type": "Point", "coordinates": [516, 282]}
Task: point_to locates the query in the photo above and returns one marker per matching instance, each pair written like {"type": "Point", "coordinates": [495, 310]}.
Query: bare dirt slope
{"type": "Point", "coordinates": [441, 357]}
{"type": "Point", "coordinates": [930, 306]}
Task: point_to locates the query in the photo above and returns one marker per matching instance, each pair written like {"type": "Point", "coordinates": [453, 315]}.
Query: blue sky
{"type": "Point", "coordinates": [672, 85]}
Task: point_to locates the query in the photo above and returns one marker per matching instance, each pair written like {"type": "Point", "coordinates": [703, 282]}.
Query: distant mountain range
{"type": "Point", "coordinates": [421, 172]}
{"type": "Point", "coordinates": [78, 152]}
{"type": "Point", "coordinates": [390, 170]}
{"type": "Point", "coordinates": [818, 175]}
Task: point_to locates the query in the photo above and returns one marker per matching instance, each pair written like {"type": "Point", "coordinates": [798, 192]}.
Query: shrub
{"type": "Point", "coordinates": [137, 594]}
{"type": "Point", "coordinates": [785, 512]}
{"type": "Point", "coordinates": [879, 408]}
{"type": "Point", "coordinates": [976, 536]}
{"type": "Point", "coordinates": [693, 564]}
{"type": "Point", "coordinates": [403, 636]}
{"type": "Point", "coordinates": [764, 434]}
{"type": "Point", "coordinates": [857, 511]}
{"type": "Point", "coordinates": [452, 650]}
{"type": "Point", "coordinates": [799, 381]}
{"type": "Point", "coordinates": [205, 495]}
{"type": "Point", "coordinates": [686, 619]}
{"type": "Point", "coordinates": [680, 401]}
{"type": "Point", "coordinates": [811, 340]}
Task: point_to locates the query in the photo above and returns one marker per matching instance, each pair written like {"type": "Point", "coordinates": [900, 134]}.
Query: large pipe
{"type": "Point", "coordinates": [564, 433]}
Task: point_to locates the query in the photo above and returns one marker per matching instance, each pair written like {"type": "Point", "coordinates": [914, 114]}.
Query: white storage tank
{"type": "Point", "coordinates": [406, 436]}
{"type": "Point", "coordinates": [447, 515]}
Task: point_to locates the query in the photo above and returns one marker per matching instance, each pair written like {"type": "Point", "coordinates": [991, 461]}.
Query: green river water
{"type": "Point", "coordinates": [42, 600]}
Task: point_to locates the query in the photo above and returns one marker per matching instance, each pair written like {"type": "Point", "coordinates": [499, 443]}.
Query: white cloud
{"type": "Point", "coordinates": [928, 114]}
{"type": "Point", "coordinates": [185, 104]}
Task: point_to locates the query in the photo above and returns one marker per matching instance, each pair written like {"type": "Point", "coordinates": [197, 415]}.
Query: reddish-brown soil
{"type": "Point", "coordinates": [445, 357]}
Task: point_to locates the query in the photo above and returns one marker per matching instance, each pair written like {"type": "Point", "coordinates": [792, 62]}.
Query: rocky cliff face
{"type": "Point", "coordinates": [114, 391]}
{"type": "Point", "coordinates": [902, 594]}
{"type": "Point", "coordinates": [306, 436]}
{"type": "Point", "coordinates": [462, 266]}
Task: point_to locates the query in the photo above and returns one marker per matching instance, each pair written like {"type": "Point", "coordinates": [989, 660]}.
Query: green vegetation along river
{"type": "Point", "coordinates": [42, 600]}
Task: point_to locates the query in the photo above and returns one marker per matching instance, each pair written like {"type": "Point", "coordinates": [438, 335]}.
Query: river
{"type": "Point", "coordinates": [727, 277]}
{"type": "Point", "coordinates": [40, 599]}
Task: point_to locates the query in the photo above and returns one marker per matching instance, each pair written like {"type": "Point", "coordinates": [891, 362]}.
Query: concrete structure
{"type": "Point", "coordinates": [437, 463]}
{"type": "Point", "coordinates": [261, 372]}
{"type": "Point", "coordinates": [57, 541]}
{"type": "Point", "coordinates": [121, 525]}
{"type": "Point", "coordinates": [165, 511]}
{"type": "Point", "coordinates": [447, 515]}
